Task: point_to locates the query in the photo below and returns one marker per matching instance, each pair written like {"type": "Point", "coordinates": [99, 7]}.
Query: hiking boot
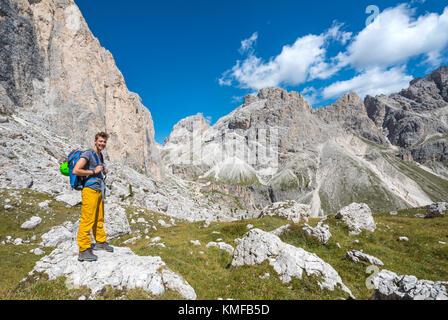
{"type": "Point", "coordinates": [103, 246]}
{"type": "Point", "coordinates": [87, 255]}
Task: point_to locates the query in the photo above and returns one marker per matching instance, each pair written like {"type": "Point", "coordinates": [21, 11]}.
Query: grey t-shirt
{"type": "Point", "coordinates": [91, 165]}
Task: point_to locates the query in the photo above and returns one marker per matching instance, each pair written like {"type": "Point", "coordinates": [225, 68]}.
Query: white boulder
{"type": "Point", "coordinates": [66, 232]}
{"type": "Point", "coordinates": [120, 269]}
{"type": "Point", "coordinates": [115, 221]}
{"type": "Point", "coordinates": [70, 197]}
{"type": "Point", "coordinates": [390, 286]}
{"type": "Point", "coordinates": [287, 260]}
{"type": "Point", "coordinates": [437, 209]}
{"type": "Point", "coordinates": [32, 223]}
{"type": "Point", "coordinates": [357, 216]}
{"type": "Point", "coordinates": [321, 232]}
{"type": "Point", "coordinates": [357, 256]}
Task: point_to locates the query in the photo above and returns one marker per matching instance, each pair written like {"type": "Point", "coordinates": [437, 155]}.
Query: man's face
{"type": "Point", "coordinates": [100, 143]}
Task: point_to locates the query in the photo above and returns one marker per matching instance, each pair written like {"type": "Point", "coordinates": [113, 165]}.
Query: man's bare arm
{"type": "Point", "coordinates": [79, 171]}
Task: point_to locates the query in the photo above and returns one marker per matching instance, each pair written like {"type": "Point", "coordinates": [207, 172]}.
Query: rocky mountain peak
{"type": "Point", "coordinates": [429, 92]}
{"type": "Point", "coordinates": [350, 98]}
{"type": "Point", "coordinates": [185, 127]}
{"type": "Point", "coordinates": [274, 95]}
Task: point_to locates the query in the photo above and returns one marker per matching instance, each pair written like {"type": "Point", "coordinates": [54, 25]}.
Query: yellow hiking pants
{"type": "Point", "coordinates": [92, 218]}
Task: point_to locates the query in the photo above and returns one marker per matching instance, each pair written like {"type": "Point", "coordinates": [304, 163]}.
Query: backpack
{"type": "Point", "coordinates": [76, 182]}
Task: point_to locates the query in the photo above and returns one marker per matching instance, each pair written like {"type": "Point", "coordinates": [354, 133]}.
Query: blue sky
{"type": "Point", "coordinates": [186, 57]}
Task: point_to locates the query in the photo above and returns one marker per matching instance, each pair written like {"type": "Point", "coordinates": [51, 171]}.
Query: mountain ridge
{"type": "Point", "coordinates": [321, 148]}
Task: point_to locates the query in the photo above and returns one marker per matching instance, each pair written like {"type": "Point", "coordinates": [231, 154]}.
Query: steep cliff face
{"type": "Point", "coordinates": [350, 113]}
{"type": "Point", "coordinates": [56, 72]}
{"type": "Point", "coordinates": [21, 60]}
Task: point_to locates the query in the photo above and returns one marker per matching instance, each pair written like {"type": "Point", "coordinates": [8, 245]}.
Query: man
{"type": "Point", "coordinates": [91, 166]}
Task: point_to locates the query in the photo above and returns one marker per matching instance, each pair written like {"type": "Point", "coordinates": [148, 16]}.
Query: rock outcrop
{"type": "Point", "coordinates": [358, 217]}
{"type": "Point", "coordinates": [357, 256]}
{"type": "Point", "coordinates": [288, 261]}
{"type": "Point", "coordinates": [390, 286]}
{"type": "Point", "coordinates": [437, 209]}
{"type": "Point", "coordinates": [121, 269]}
{"type": "Point", "coordinates": [31, 223]}
{"type": "Point", "coordinates": [321, 232]}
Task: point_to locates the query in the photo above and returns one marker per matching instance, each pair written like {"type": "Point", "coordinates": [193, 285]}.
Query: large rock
{"type": "Point", "coordinates": [121, 269]}
{"type": "Point", "coordinates": [357, 256]}
{"type": "Point", "coordinates": [358, 217]}
{"type": "Point", "coordinates": [288, 261]}
{"type": "Point", "coordinates": [437, 209]}
{"type": "Point", "coordinates": [321, 232]}
{"type": "Point", "coordinates": [59, 235]}
{"type": "Point", "coordinates": [70, 197]}
{"type": "Point", "coordinates": [115, 220]}
{"type": "Point", "coordinates": [31, 223]}
{"type": "Point", "coordinates": [390, 286]}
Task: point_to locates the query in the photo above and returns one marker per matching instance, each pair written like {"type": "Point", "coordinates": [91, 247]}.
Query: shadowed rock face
{"type": "Point", "coordinates": [56, 70]}
{"type": "Point", "coordinates": [21, 60]}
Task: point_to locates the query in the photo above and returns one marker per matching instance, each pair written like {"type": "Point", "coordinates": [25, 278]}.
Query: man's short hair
{"type": "Point", "coordinates": [103, 135]}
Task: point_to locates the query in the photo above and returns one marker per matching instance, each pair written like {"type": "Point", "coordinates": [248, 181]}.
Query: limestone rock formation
{"type": "Point", "coordinates": [288, 261]}
{"type": "Point", "coordinates": [56, 73]}
{"type": "Point", "coordinates": [321, 232]}
{"type": "Point", "coordinates": [390, 286]}
{"type": "Point", "coordinates": [121, 269]}
{"type": "Point", "coordinates": [415, 119]}
{"type": "Point", "coordinates": [358, 217]}
{"type": "Point", "coordinates": [350, 113]}
{"type": "Point", "coordinates": [358, 255]}
{"type": "Point", "coordinates": [437, 209]}
{"type": "Point", "coordinates": [59, 235]}
{"type": "Point", "coordinates": [31, 223]}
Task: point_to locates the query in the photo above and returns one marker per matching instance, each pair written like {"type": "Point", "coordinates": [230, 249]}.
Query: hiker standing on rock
{"type": "Point", "coordinates": [91, 166]}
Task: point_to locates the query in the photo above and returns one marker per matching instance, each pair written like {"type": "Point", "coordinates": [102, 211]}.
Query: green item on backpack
{"type": "Point", "coordinates": [64, 169]}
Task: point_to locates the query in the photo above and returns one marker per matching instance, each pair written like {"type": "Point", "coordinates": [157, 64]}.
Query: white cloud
{"type": "Point", "coordinates": [247, 44]}
{"type": "Point", "coordinates": [379, 53]}
{"type": "Point", "coordinates": [395, 37]}
{"type": "Point", "coordinates": [302, 61]}
{"type": "Point", "coordinates": [371, 82]}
